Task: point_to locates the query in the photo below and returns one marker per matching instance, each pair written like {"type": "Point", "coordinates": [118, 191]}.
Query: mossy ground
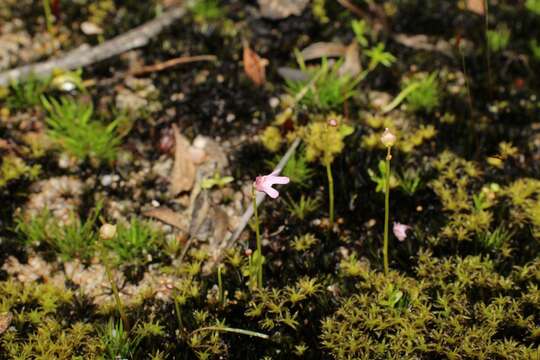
{"type": "Point", "coordinates": [465, 177]}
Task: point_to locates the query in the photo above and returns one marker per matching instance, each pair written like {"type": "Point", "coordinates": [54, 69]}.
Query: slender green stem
{"type": "Point", "coordinates": [386, 210]}
{"type": "Point", "coordinates": [488, 51]}
{"type": "Point", "coordinates": [220, 284]}
{"type": "Point", "coordinates": [258, 236]}
{"type": "Point", "coordinates": [233, 330]}
{"type": "Point", "coordinates": [178, 314]}
{"type": "Point", "coordinates": [48, 15]}
{"type": "Point", "coordinates": [400, 97]}
{"type": "Point", "coordinates": [330, 192]}
{"type": "Point", "coordinates": [116, 294]}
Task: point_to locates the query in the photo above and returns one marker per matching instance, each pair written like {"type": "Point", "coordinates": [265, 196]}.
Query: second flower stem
{"type": "Point", "coordinates": [386, 209]}
{"type": "Point", "coordinates": [116, 293]}
{"type": "Point", "coordinates": [258, 236]}
{"type": "Point", "coordinates": [330, 192]}
{"type": "Point", "coordinates": [48, 15]}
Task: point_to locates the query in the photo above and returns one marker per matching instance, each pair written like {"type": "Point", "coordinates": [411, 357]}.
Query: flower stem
{"type": "Point", "coordinates": [330, 192]}
{"type": "Point", "coordinates": [116, 294]}
{"type": "Point", "coordinates": [258, 236]}
{"type": "Point", "coordinates": [386, 209]}
{"type": "Point", "coordinates": [178, 313]}
{"type": "Point", "coordinates": [220, 284]}
{"type": "Point", "coordinates": [48, 15]}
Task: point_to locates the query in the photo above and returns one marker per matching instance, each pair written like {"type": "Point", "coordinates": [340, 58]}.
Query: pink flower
{"type": "Point", "coordinates": [400, 231]}
{"type": "Point", "coordinates": [264, 184]}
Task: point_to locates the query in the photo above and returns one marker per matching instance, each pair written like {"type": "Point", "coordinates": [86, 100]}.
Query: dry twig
{"type": "Point", "coordinates": [86, 55]}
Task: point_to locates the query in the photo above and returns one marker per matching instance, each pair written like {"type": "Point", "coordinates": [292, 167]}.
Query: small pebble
{"type": "Point", "coordinates": [274, 102]}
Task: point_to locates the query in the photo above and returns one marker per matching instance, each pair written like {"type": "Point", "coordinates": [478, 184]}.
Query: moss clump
{"type": "Point", "coordinates": [456, 308]}
{"type": "Point", "coordinates": [454, 187]}
{"type": "Point", "coordinates": [13, 167]}
{"type": "Point", "coordinates": [524, 195]}
{"type": "Point", "coordinates": [271, 138]}
{"type": "Point", "coordinates": [325, 142]}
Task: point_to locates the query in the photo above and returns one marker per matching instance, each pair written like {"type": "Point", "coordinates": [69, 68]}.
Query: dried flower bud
{"type": "Point", "coordinates": [388, 139]}
{"type": "Point", "coordinates": [107, 231]}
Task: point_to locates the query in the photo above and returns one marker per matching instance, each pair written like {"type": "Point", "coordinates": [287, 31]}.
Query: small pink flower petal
{"type": "Point", "coordinates": [278, 180]}
{"type": "Point", "coordinates": [400, 231]}
{"type": "Point", "coordinates": [264, 183]}
{"type": "Point", "coordinates": [273, 193]}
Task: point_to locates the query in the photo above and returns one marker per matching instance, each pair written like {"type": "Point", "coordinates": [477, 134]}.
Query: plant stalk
{"type": "Point", "coordinates": [386, 209]}
{"type": "Point", "coordinates": [48, 15]}
{"type": "Point", "coordinates": [258, 237]}
{"type": "Point", "coordinates": [116, 294]}
{"type": "Point", "coordinates": [220, 284]}
{"type": "Point", "coordinates": [330, 192]}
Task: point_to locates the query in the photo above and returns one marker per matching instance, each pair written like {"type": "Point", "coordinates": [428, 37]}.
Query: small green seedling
{"type": "Point", "coordinates": [498, 39]}
{"type": "Point", "coordinates": [329, 89]}
{"type": "Point", "coordinates": [216, 180]}
{"type": "Point", "coordinates": [303, 207]}
{"type": "Point", "coordinates": [71, 124]}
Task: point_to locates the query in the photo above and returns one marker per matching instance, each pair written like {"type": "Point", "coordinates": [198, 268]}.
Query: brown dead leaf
{"type": "Point", "coordinates": [280, 9]}
{"type": "Point", "coordinates": [476, 6]}
{"type": "Point", "coordinates": [168, 216]}
{"type": "Point", "coordinates": [351, 66]}
{"type": "Point", "coordinates": [183, 172]}
{"type": "Point", "coordinates": [5, 321]}
{"type": "Point", "coordinates": [254, 66]}
{"type": "Point", "coordinates": [323, 49]}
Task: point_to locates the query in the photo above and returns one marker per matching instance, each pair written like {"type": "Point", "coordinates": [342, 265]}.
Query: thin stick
{"type": "Point", "coordinates": [86, 55]}
{"type": "Point", "coordinates": [232, 330]}
{"type": "Point", "coordinates": [170, 63]}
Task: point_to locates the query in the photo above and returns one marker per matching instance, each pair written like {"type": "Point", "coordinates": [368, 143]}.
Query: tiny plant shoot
{"type": "Point", "coordinates": [388, 139]}
{"type": "Point", "coordinates": [263, 184]}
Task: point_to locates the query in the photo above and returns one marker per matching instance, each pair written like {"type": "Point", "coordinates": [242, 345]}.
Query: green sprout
{"type": "Point", "coordinates": [360, 28]}
{"type": "Point", "coordinates": [216, 180]}
{"type": "Point", "coordinates": [27, 93]}
{"type": "Point", "coordinates": [533, 6]}
{"type": "Point", "coordinates": [328, 90]}
{"type": "Point", "coordinates": [498, 39]}
{"type": "Point", "coordinates": [72, 126]}
{"type": "Point", "coordinates": [205, 11]}
{"type": "Point", "coordinates": [425, 94]}
{"type": "Point", "coordinates": [301, 208]}
{"type": "Point", "coordinates": [378, 55]}
{"type": "Point", "coordinates": [535, 48]}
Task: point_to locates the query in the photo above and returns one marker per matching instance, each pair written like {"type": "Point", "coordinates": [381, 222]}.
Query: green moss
{"type": "Point", "coordinates": [325, 142]}
{"type": "Point", "coordinates": [271, 138]}
{"type": "Point", "coordinates": [426, 94]}
{"type": "Point", "coordinates": [13, 168]}
{"type": "Point", "coordinates": [134, 243]}
{"type": "Point", "coordinates": [456, 308]}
